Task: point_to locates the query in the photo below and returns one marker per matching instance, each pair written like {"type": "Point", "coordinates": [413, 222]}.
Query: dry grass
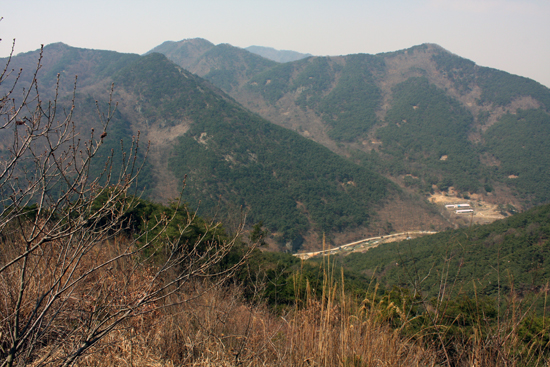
{"type": "Point", "coordinates": [206, 324]}
{"type": "Point", "coordinates": [71, 309]}
{"type": "Point", "coordinates": [214, 327]}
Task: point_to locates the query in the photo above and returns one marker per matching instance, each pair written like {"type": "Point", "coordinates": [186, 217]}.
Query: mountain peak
{"type": "Point", "coordinates": [184, 51]}
{"type": "Point", "coordinates": [195, 42]}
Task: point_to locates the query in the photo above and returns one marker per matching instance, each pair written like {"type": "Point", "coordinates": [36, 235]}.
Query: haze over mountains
{"type": "Point", "coordinates": [421, 118]}
{"type": "Point", "coordinates": [277, 55]}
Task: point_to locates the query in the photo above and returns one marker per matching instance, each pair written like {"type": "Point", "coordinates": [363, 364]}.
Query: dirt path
{"type": "Point", "coordinates": [161, 140]}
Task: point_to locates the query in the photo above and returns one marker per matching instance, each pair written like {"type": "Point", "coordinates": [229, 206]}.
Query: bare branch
{"type": "Point", "coordinates": [71, 272]}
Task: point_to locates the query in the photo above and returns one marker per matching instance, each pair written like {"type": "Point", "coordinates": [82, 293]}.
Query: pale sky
{"type": "Point", "coordinates": [510, 35]}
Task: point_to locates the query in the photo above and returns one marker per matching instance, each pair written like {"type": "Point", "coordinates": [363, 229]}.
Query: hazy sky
{"type": "Point", "coordinates": [511, 35]}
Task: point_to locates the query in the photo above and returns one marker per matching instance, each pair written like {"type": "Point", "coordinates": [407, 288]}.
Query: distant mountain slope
{"type": "Point", "coordinates": [225, 66]}
{"type": "Point", "coordinates": [422, 126]}
{"type": "Point", "coordinates": [184, 52]}
{"type": "Point", "coordinates": [94, 69]}
{"type": "Point", "coordinates": [277, 55]}
{"type": "Point", "coordinates": [422, 113]}
{"type": "Point", "coordinates": [228, 154]}
{"type": "Point", "coordinates": [234, 162]}
{"type": "Point", "coordinates": [91, 67]}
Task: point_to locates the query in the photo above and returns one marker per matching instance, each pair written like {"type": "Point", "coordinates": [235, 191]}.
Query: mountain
{"type": "Point", "coordinates": [64, 68]}
{"type": "Point", "coordinates": [59, 59]}
{"type": "Point", "coordinates": [433, 122]}
{"type": "Point", "coordinates": [277, 55]}
{"type": "Point", "coordinates": [233, 161]}
{"type": "Point", "coordinates": [184, 52]}
{"type": "Point", "coordinates": [223, 65]}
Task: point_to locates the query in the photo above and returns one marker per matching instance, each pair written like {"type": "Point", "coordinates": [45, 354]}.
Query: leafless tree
{"type": "Point", "coordinates": [68, 274]}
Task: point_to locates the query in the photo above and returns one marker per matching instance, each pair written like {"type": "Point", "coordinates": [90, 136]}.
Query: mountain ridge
{"type": "Point", "coordinates": [342, 102]}
{"type": "Point", "coordinates": [391, 113]}
{"type": "Point", "coordinates": [233, 158]}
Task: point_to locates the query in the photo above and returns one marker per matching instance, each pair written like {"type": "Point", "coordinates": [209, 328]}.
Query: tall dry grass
{"type": "Point", "coordinates": [59, 300]}
{"type": "Point", "coordinates": [209, 324]}
{"type": "Point", "coordinates": [212, 325]}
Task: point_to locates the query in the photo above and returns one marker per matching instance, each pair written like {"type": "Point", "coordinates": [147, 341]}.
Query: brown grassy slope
{"type": "Point", "coordinates": [214, 327]}
{"type": "Point", "coordinates": [207, 324]}
{"type": "Point", "coordinates": [201, 325]}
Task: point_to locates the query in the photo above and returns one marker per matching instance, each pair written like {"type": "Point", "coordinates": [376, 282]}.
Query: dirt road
{"type": "Point", "coordinates": [365, 244]}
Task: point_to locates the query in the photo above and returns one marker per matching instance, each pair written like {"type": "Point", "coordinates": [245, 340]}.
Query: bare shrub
{"type": "Point", "coordinates": [68, 275]}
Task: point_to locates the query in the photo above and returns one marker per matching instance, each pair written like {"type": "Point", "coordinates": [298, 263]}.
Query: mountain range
{"type": "Point", "coordinates": [421, 113]}
{"type": "Point", "coordinates": [344, 145]}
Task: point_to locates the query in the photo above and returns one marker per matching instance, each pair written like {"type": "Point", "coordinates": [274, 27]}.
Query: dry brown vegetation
{"type": "Point", "coordinates": [206, 324]}
{"type": "Point", "coordinates": [211, 324]}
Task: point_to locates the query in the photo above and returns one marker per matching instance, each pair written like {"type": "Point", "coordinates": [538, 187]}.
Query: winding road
{"type": "Point", "coordinates": [364, 244]}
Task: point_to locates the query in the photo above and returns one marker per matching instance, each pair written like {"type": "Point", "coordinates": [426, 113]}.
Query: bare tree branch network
{"type": "Point", "coordinates": [69, 271]}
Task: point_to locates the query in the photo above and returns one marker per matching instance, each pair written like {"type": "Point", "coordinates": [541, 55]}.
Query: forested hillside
{"type": "Point", "coordinates": [423, 116]}
{"type": "Point", "coordinates": [224, 65]}
{"type": "Point", "coordinates": [234, 163]}
{"type": "Point", "coordinates": [513, 253]}
{"type": "Point", "coordinates": [279, 178]}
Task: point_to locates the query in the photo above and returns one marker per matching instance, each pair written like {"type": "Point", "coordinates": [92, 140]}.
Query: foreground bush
{"type": "Point", "coordinates": [215, 327]}
{"type": "Point", "coordinates": [70, 273]}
